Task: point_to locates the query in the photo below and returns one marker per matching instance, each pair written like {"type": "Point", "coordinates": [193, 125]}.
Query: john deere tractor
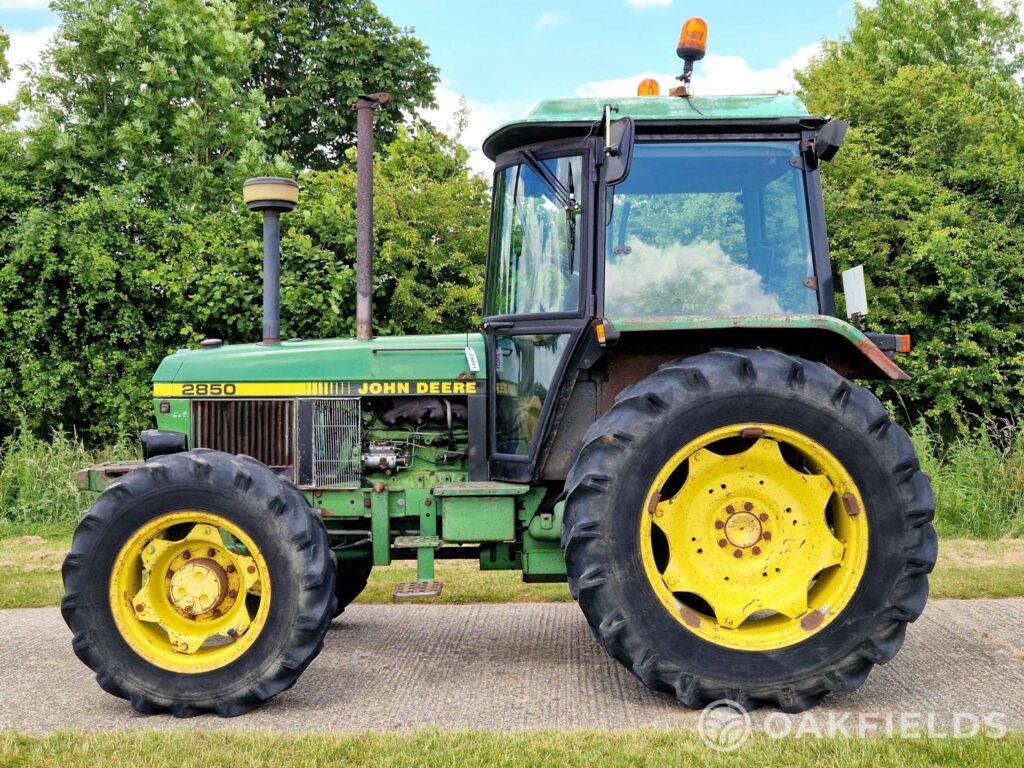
{"type": "Point", "coordinates": [658, 408]}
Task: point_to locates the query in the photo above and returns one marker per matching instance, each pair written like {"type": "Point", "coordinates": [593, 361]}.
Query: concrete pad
{"type": "Point", "coordinates": [510, 667]}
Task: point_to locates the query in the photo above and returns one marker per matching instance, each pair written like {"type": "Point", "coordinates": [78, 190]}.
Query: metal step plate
{"type": "Point", "coordinates": [417, 542]}
{"type": "Point", "coordinates": [410, 589]}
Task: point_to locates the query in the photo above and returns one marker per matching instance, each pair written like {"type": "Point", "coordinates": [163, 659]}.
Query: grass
{"type": "Point", "coordinates": [528, 749]}
{"type": "Point", "coordinates": [30, 575]}
{"type": "Point", "coordinates": [978, 480]}
{"type": "Point", "coordinates": [37, 481]}
{"type": "Point", "coordinates": [464, 583]}
{"type": "Point", "coordinates": [969, 568]}
{"type": "Point", "coordinates": [30, 570]}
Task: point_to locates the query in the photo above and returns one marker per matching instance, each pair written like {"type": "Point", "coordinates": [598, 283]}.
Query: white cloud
{"type": "Point", "coordinates": [482, 118]}
{"type": "Point", "coordinates": [26, 48]}
{"type": "Point", "coordinates": [716, 75]}
{"type": "Point", "coordinates": [649, 3]}
{"type": "Point", "coordinates": [552, 18]}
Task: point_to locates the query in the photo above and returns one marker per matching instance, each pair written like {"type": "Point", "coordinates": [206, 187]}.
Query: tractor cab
{"type": "Point", "coordinates": [685, 223]}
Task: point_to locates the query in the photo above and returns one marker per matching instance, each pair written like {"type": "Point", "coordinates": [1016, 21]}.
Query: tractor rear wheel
{"type": "Point", "coordinates": [199, 582]}
{"type": "Point", "coordinates": [745, 525]}
{"type": "Point", "coordinates": [352, 578]}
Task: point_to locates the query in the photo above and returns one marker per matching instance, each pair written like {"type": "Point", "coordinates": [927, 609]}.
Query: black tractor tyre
{"type": "Point", "coordinates": [653, 419]}
{"type": "Point", "coordinates": [352, 578]}
{"type": "Point", "coordinates": [273, 513]}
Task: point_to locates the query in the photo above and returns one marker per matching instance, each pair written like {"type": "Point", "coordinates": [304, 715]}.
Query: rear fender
{"type": "Point", "coordinates": [828, 340]}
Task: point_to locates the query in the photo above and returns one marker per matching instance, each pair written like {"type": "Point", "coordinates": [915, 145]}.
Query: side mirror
{"type": "Point", "coordinates": [829, 139]}
{"type": "Point", "coordinates": [856, 293]}
{"type": "Point", "coordinates": [618, 148]}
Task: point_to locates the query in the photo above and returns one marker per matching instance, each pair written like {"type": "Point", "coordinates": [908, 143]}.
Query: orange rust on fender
{"type": "Point", "coordinates": [877, 356]}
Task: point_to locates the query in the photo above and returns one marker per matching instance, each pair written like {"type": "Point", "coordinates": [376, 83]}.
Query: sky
{"type": "Point", "coordinates": [504, 56]}
{"type": "Point", "coordinates": [501, 57]}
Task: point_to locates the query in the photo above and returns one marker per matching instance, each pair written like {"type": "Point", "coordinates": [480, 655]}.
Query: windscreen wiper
{"type": "Point", "coordinates": [570, 222]}
{"type": "Point", "coordinates": [562, 195]}
{"type": "Point", "coordinates": [565, 197]}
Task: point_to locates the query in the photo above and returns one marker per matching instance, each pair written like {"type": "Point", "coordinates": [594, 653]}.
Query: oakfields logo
{"type": "Point", "coordinates": [725, 726]}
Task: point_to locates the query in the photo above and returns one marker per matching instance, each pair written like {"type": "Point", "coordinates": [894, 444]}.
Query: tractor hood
{"type": "Point", "coordinates": [400, 365]}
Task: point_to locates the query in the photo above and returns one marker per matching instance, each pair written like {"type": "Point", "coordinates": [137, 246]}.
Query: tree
{"type": "Point", "coordinates": [318, 57]}
{"type": "Point", "coordinates": [928, 192]}
{"type": "Point", "coordinates": [14, 192]}
{"type": "Point", "coordinates": [147, 93]}
{"type": "Point", "coordinates": [139, 125]}
{"type": "Point", "coordinates": [5, 44]}
{"type": "Point", "coordinates": [430, 243]}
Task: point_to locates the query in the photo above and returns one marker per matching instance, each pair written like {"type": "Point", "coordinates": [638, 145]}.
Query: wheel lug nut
{"type": "Point", "coordinates": [211, 552]}
{"type": "Point", "coordinates": [140, 607]}
{"type": "Point", "coordinates": [186, 555]}
{"type": "Point", "coordinates": [730, 509]}
{"type": "Point", "coordinates": [766, 536]}
{"type": "Point", "coordinates": [722, 543]}
{"type": "Point", "coordinates": [719, 524]}
{"type": "Point", "coordinates": [233, 593]}
{"type": "Point", "coordinates": [738, 553]}
{"type": "Point", "coordinates": [748, 506]}
{"type": "Point", "coordinates": [251, 569]}
{"type": "Point", "coordinates": [230, 568]}
{"type": "Point", "coordinates": [756, 550]}
{"type": "Point", "coordinates": [764, 517]}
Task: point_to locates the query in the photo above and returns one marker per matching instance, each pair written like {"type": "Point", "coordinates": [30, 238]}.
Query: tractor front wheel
{"type": "Point", "coordinates": [199, 582]}
{"type": "Point", "coordinates": [749, 526]}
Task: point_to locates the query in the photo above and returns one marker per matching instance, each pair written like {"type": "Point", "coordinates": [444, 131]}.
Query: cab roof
{"type": "Point", "coordinates": [560, 118]}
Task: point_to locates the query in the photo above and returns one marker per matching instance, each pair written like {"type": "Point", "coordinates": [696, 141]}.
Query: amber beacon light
{"type": "Point", "coordinates": [693, 44]}
{"type": "Point", "coordinates": [693, 40]}
{"type": "Point", "coordinates": [648, 87]}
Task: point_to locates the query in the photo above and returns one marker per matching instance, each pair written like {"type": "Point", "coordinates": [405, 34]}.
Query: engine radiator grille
{"type": "Point", "coordinates": [263, 429]}
{"type": "Point", "coordinates": [337, 445]}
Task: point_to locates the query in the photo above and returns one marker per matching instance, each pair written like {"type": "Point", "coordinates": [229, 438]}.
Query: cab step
{"type": "Point", "coordinates": [411, 589]}
{"type": "Point", "coordinates": [418, 542]}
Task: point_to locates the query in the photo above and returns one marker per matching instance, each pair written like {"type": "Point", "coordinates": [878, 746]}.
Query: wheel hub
{"type": "Point", "coordinates": [743, 529]}
{"type": "Point", "coordinates": [198, 587]}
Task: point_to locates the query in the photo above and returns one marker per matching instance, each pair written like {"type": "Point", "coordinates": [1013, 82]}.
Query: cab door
{"type": "Point", "coordinates": [539, 296]}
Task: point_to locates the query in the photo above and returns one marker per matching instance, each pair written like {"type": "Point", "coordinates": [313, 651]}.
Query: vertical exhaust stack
{"type": "Point", "coordinates": [271, 196]}
{"type": "Point", "coordinates": [365, 106]}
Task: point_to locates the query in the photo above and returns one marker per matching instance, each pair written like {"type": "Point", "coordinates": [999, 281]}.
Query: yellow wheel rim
{"type": "Point", "coordinates": [761, 538]}
{"type": "Point", "coordinates": [190, 592]}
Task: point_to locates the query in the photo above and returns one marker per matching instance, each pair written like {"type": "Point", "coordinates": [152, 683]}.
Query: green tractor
{"type": "Point", "coordinates": [657, 409]}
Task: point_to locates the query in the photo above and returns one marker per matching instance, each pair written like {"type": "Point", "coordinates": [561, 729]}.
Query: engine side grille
{"type": "Point", "coordinates": [263, 429]}
{"type": "Point", "coordinates": [337, 447]}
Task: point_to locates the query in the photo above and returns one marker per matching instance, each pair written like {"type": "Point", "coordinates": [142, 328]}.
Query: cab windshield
{"type": "Point", "coordinates": [709, 228]}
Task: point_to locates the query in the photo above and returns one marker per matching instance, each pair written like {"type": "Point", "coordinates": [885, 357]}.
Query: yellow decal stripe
{"type": "Point", "coordinates": [315, 388]}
